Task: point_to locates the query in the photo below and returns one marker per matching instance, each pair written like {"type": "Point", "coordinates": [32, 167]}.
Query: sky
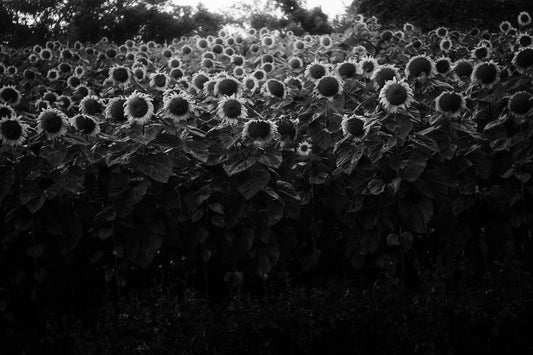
{"type": "Point", "coordinates": [330, 7]}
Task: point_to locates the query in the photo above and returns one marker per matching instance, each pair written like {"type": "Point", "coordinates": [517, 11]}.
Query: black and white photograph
{"type": "Point", "coordinates": [266, 177]}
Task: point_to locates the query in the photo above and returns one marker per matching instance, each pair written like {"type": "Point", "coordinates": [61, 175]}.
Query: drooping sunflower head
{"type": "Point", "coordinates": [367, 66]}
{"type": "Point", "coordinates": [85, 125]}
{"type": "Point", "coordinates": [520, 104]}
{"type": "Point", "coordinates": [347, 69]}
{"type": "Point", "coordinates": [120, 75]}
{"type": "Point", "coordinates": [420, 66]}
{"type": "Point", "coordinates": [486, 74]}
{"type": "Point", "coordinates": [274, 88]}
{"type": "Point", "coordinates": [199, 79]}
{"type": "Point", "coordinates": [260, 132]}
{"type": "Point", "coordinates": [7, 111]}
{"type": "Point", "coordinates": [395, 95]}
{"type": "Point", "coordinates": [115, 109]}
{"type": "Point", "coordinates": [52, 122]}
{"type": "Point", "coordinates": [523, 59]}
{"type": "Point", "coordinates": [384, 73]}
{"type": "Point", "coordinates": [463, 69]}
{"type": "Point", "coordinates": [227, 86]}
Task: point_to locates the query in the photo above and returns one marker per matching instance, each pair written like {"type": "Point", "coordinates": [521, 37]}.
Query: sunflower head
{"type": "Point", "coordinates": [328, 87]}
{"type": "Point", "coordinates": [420, 66]}
{"type": "Point", "coordinates": [52, 122]}
{"type": "Point", "coordinates": [316, 70]}
{"type": "Point", "coordinates": [86, 125]}
{"type": "Point", "coordinates": [12, 131]}
{"type": "Point", "coordinates": [520, 104]}
{"type": "Point", "coordinates": [524, 19]}
{"type": "Point", "coordinates": [261, 132]}
{"type": "Point", "coordinates": [231, 109]}
{"type": "Point", "coordinates": [486, 74]}
{"type": "Point", "coordinates": [481, 53]}
{"type": "Point", "coordinates": [177, 106]}
{"type": "Point", "coordinates": [7, 111]}
{"type": "Point", "coordinates": [383, 74]}
{"type": "Point", "coordinates": [10, 95]}
{"type": "Point", "coordinates": [227, 86]}
{"type": "Point", "coordinates": [463, 69]}
{"type": "Point", "coordinates": [138, 108]}
{"type": "Point", "coordinates": [304, 149]}
{"type": "Point", "coordinates": [354, 126]}
{"type": "Point", "coordinates": [395, 95]}
{"type": "Point", "coordinates": [443, 65]}
{"type": "Point", "coordinates": [250, 83]}
{"type": "Point", "coordinates": [120, 75]}
{"type": "Point", "coordinates": [90, 105]}
{"type": "Point", "coordinates": [274, 88]}
{"type": "Point", "coordinates": [450, 103]}
{"type": "Point", "coordinates": [286, 130]}
{"type": "Point", "coordinates": [347, 69]}
{"type": "Point", "coordinates": [295, 63]}
{"type": "Point", "coordinates": [523, 59]}
{"type": "Point", "coordinates": [159, 81]}
{"type": "Point", "coordinates": [115, 109]}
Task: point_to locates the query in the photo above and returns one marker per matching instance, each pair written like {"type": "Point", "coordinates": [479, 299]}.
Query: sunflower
{"type": "Point", "coordinates": [110, 53]}
{"type": "Point", "coordinates": [86, 125]}
{"type": "Point", "coordinates": [50, 97]}
{"type": "Point", "coordinates": [295, 62]}
{"type": "Point", "coordinates": [207, 63]}
{"type": "Point", "coordinates": [174, 63]}
{"type": "Point", "coordinates": [186, 50]}
{"type": "Point", "coordinates": [443, 65]}
{"type": "Point", "coordinates": [450, 103]}
{"type": "Point", "coordinates": [139, 71]}
{"type": "Point", "coordinates": [524, 40]}
{"type": "Point", "coordinates": [239, 72]}
{"type": "Point", "coordinates": [359, 51]}
{"type": "Point", "coordinates": [304, 149]}
{"type": "Point", "coordinates": [90, 105]}
{"type": "Point", "coordinates": [367, 66]}
{"type": "Point", "coordinates": [120, 75]}
{"type": "Point", "coordinates": [420, 66]}
{"type": "Point", "coordinates": [29, 75]}
{"type": "Point", "coordinates": [383, 74]}
{"type": "Point", "coordinates": [83, 90]}
{"type": "Point", "coordinates": [11, 70]}
{"type": "Point", "coordinates": [328, 87]}
{"type": "Point", "coordinates": [217, 48]}
{"type": "Point", "coordinates": [166, 53]}
{"type": "Point", "coordinates": [274, 88]}
{"type": "Point", "coordinates": [520, 104]}
{"type": "Point", "coordinates": [267, 67]}
{"type": "Point", "coordinates": [486, 74]}
{"type": "Point", "coordinates": [138, 108]}
{"type": "Point", "coordinates": [237, 60]}
{"type": "Point", "coordinates": [354, 126]}
{"type": "Point", "coordinates": [7, 111]}
{"type": "Point", "coordinates": [505, 26]}
{"type": "Point", "coordinates": [298, 45]}
{"type": "Point", "coordinates": [325, 41]}
{"type": "Point", "coordinates": [481, 53]}
{"type": "Point", "coordinates": [10, 95]}
{"type": "Point", "coordinates": [442, 32]}
{"type": "Point", "coordinates": [261, 132]}
{"type": "Point", "coordinates": [227, 86]}
{"type": "Point", "coordinates": [254, 48]}
{"type": "Point", "coordinates": [177, 106]}
{"type": "Point", "coordinates": [64, 102]}
{"type": "Point", "coordinates": [250, 83]}
{"type": "Point", "coordinates": [386, 35]}
{"type": "Point", "coordinates": [199, 79]}
{"type": "Point", "coordinates": [52, 74]}
{"type": "Point", "coordinates": [79, 71]}
{"type": "Point", "coordinates": [462, 69]}
{"type": "Point", "coordinates": [523, 59]}
{"type": "Point", "coordinates": [347, 69]}
{"type": "Point", "coordinates": [52, 122]}
{"type": "Point", "coordinates": [159, 81]}
{"type": "Point", "coordinates": [12, 131]}
{"type": "Point", "coordinates": [524, 19]}
{"type": "Point", "coordinates": [407, 27]}
{"type": "Point", "coordinates": [316, 70]}
{"type": "Point", "coordinates": [445, 44]}
{"type": "Point", "coordinates": [114, 109]}
{"type": "Point", "coordinates": [395, 95]}
{"type": "Point", "coordinates": [46, 54]}
{"type": "Point", "coordinates": [65, 54]}
{"type": "Point", "coordinates": [230, 109]}
{"type": "Point", "coordinates": [176, 73]}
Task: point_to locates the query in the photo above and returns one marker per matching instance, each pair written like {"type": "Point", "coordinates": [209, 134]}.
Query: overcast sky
{"type": "Point", "coordinates": [330, 7]}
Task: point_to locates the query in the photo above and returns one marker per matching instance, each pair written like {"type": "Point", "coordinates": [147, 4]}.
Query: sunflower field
{"type": "Point", "coordinates": [395, 156]}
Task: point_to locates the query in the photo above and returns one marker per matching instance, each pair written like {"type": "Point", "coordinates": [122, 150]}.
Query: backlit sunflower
{"type": "Point", "coordinates": [523, 60]}
{"type": "Point", "coordinates": [450, 103]}
{"type": "Point", "coordinates": [114, 109]}
{"type": "Point", "coordinates": [227, 86]}
{"type": "Point", "coordinates": [274, 88]}
{"type": "Point", "coordinates": [354, 126]}
{"type": "Point", "coordinates": [138, 108]}
{"type": "Point", "coordinates": [328, 87]}
{"type": "Point", "coordinates": [316, 70]}
{"type": "Point", "coordinates": [384, 73]}
{"type": "Point", "coordinates": [52, 122]}
{"type": "Point", "coordinates": [230, 109]}
{"type": "Point", "coordinates": [520, 104]}
{"type": "Point", "coordinates": [486, 74]}
{"type": "Point", "coordinates": [420, 66]}
{"type": "Point", "coordinates": [91, 105]}
{"type": "Point", "coordinates": [10, 95]}
{"type": "Point", "coordinates": [260, 132]}
{"type": "Point", "coordinates": [395, 95]}
{"type": "Point", "coordinates": [367, 66]}
{"type": "Point", "coordinates": [12, 131]}
{"type": "Point", "coordinates": [524, 19]}
{"type": "Point", "coordinates": [120, 75]}
{"type": "Point", "coordinates": [178, 107]}
{"type": "Point", "coordinates": [85, 125]}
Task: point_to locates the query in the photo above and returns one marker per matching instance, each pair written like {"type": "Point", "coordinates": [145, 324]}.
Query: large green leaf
{"type": "Point", "coordinates": [250, 182]}
{"type": "Point", "coordinates": [157, 166]}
